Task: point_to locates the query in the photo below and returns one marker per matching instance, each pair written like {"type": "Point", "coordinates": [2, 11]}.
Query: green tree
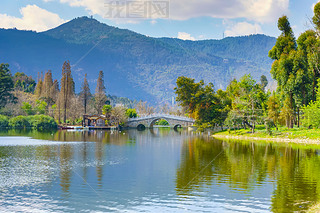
{"type": "Point", "coordinates": [316, 16]}
{"type": "Point", "coordinates": [131, 113]}
{"type": "Point", "coordinates": [248, 102]}
{"type": "Point", "coordinates": [274, 109]}
{"type": "Point", "coordinates": [308, 45]}
{"type": "Point", "coordinates": [225, 106]}
{"type": "Point", "coordinates": [27, 108]}
{"type": "Point", "coordinates": [22, 82]}
{"type": "Point", "coordinates": [282, 68]}
{"type": "Point", "coordinates": [106, 111]}
{"type": "Point", "coordinates": [186, 91]}
{"type": "Point", "coordinates": [19, 122]}
{"type": "Point", "coordinates": [311, 115]}
{"type": "Point", "coordinates": [100, 97]}
{"type": "Point", "coordinates": [4, 121]}
{"type": "Point", "coordinates": [6, 85]}
{"type": "Point", "coordinates": [42, 122]}
{"type": "Point", "coordinates": [263, 82]}
{"type": "Point", "coordinates": [311, 112]}
{"type": "Point", "coordinates": [207, 108]}
{"type": "Point", "coordinates": [41, 107]}
{"type": "Point", "coordinates": [201, 102]}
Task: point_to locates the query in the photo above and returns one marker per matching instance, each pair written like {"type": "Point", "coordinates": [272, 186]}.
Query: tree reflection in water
{"type": "Point", "coordinates": [290, 171]}
{"type": "Point", "coordinates": [244, 166]}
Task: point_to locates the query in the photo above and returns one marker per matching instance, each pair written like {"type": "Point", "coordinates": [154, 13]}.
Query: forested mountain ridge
{"type": "Point", "coordinates": [135, 66]}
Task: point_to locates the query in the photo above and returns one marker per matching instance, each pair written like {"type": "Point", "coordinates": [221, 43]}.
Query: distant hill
{"type": "Point", "coordinates": [135, 66]}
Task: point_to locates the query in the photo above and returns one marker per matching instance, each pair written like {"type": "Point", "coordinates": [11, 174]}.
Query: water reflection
{"type": "Point", "coordinates": [99, 155]}
{"type": "Point", "coordinates": [245, 166]}
{"type": "Point", "coordinates": [138, 170]}
{"type": "Point", "coordinates": [65, 156]}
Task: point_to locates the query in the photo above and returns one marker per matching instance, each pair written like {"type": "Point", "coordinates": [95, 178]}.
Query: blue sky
{"type": "Point", "coordinates": [186, 19]}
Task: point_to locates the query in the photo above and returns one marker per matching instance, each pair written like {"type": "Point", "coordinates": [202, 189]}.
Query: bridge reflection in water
{"type": "Point", "coordinates": [147, 121]}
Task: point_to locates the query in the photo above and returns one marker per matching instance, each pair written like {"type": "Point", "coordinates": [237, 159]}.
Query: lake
{"type": "Point", "coordinates": [159, 170]}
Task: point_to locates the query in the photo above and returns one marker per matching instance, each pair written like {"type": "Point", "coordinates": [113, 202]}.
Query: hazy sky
{"type": "Point", "coordinates": [185, 19]}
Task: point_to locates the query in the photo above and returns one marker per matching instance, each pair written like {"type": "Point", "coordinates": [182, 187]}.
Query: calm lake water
{"type": "Point", "coordinates": [158, 170]}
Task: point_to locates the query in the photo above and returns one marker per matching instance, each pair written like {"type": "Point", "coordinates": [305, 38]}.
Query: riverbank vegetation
{"type": "Point", "coordinates": [245, 104]}
{"type": "Point", "coordinates": [40, 122]}
{"type": "Point", "coordinates": [22, 97]}
{"type": "Point", "coordinates": [26, 103]}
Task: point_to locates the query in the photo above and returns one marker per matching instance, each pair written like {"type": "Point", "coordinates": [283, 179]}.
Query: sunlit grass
{"type": "Point", "coordinates": [282, 132]}
{"type": "Point", "coordinates": [314, 209]}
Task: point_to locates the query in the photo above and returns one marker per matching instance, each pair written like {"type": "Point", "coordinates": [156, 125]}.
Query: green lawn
{"type": "Point", "coordinates": [282, 132]}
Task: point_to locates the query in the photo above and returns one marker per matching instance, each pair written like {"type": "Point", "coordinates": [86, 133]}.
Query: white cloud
{"type": "Point", "coordinates": [33, 18]}
{"type": "Point", "coordinates": [185, 36]}
{"type": "Point", "coordinates": [258, 10]}
{"type": "Point", "coordinates": [93, 6]}
{"type": "Point", "coordinates": [243, 28]}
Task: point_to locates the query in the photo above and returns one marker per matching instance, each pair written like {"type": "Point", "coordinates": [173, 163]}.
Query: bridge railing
{"type": "Point", "coordinates": [158, 115]}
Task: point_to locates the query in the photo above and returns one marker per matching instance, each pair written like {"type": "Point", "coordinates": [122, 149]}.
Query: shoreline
{"type": "Point", "coordinates": [281, 140]}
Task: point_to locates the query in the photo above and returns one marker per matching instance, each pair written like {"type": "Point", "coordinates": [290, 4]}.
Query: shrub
{"type": "Point", "coordinates": [42, 122]}
{"type": "Point", "coordinates": [4, 121]}
{"type": "Point", "coordinates": [131, 113]}
{"type": "Point", "coordinates": [311, 115]}
{"type": "Point", "coordinates": [19, 122]}
{"type": "Point", "coordinates": [203, 127]}
{"type": "Point", "coordinates": [268, 124]}
{"type": "Point", "coordinates": [27, 108]}
{"type": "Point", "coordinates": [78, 121]}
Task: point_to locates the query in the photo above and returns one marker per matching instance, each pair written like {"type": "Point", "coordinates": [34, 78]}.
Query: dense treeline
{"type": "Point", "coordinates": [25, 103]}
{"type": "Point", "coordinates": [23, 99]}
{"type": "Point", "coordinates": [242, 104]}
{"type": "Point", "coordinates": [245, 103]}
{"type": "Point", "coordinates": [296, 69]}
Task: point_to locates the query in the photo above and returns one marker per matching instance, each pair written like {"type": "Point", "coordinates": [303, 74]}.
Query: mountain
{"type": "Point", "coordinates": [135, 66]}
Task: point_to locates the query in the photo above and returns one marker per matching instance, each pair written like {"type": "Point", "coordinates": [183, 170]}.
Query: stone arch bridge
{"type": "Point", "coordinates": [147, 121]}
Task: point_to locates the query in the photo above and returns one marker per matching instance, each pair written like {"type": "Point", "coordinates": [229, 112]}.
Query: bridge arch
{"type": "Point", "coordinates": [141, 127]}
{"type": "Point", "coordinates": [176, 126]}
{"type": "Point", "coordinates": [147, 121]}
{"type": "Point", "coordinates": [153, 121]}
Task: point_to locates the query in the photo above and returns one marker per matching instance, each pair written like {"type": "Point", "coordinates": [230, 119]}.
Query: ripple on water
{"type": "Point", "coordinates": [27, 141]}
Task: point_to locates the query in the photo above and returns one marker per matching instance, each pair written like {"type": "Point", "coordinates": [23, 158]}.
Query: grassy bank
{"type": "Point", "coordinates": [314, 209]}
{"type": "Point", "coordinates": [283, 133]}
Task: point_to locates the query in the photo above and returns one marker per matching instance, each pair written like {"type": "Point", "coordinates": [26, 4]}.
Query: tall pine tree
{"type": "Point", "coordinates": [100, 93]}
{"type": "Point", "coordinates": [67, 89]}
{"type": "Point", "coordinates": [38, 90]}
{"type": "Point", "coordinates": [47, 88]}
